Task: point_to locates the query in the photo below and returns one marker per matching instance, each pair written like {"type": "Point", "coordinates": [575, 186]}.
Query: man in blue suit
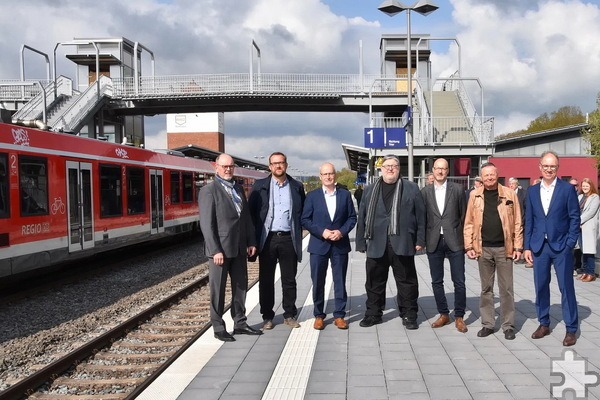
{"type": "Point", "coordinates": [329, 216]}
{"type": "Point", "coordinates": [552, 224]}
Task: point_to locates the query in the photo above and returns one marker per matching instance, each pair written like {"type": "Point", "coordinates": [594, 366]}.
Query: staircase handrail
{"type": "Point", "coordinates": [34, 107]}
{"type": "Point", "coordinates": [87, 101]}
{"type": "Point", "coordinates": [425, 122]}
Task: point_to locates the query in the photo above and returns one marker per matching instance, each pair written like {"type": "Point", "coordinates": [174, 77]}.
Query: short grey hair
{"type": "Point", "coordinates": [391, 157]}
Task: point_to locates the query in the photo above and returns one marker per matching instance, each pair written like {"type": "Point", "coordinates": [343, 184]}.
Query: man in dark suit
{"type": "Point", "coordinates": [391, 229]}
{"type": "Point", "coordinates": [276, 206]}
{"type": "Point", "coordinates": [445, 204]}
{"type": "Point", "coordinates": [329, 216]}
{"type": "Point", "coordinates": [228, 241]}
{"type": "Point", "coordinates": [552, 224]}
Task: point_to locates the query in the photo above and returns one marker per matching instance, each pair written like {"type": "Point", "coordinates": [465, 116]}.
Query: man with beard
{"type": "Point", "coordinates": [228, 241]}
{"type": "Point", "coordinates": [276, 206]}
{"type": "Point", "coordinates": [391, 229]}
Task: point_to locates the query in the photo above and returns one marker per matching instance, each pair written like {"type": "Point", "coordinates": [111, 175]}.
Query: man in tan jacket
{"type": "Point", "coordinates": [493, 234]}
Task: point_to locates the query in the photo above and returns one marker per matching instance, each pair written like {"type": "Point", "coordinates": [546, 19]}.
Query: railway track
{"type": "Point", "coordinates": [123, 361]}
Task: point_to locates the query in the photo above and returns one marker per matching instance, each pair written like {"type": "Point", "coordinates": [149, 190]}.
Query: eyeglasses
{"type": "Point", "coordinates": [390, 167]}
{"type": "Point", "coordinates": [328, 174]}
{"type": "Point", "coordinates": [549, 167]}
{"type": "Point", "coordinates": [440, 168]}
{"type": "Point", "coordinates": [278, 163]}
{"type": "Point", "coordinates": [232, 166]}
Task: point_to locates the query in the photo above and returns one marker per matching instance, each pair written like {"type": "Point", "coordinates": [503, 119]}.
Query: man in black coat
{"type": "Point", "coordinates": [391, 229]}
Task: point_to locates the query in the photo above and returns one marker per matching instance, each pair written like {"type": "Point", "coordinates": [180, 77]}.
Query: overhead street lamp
{"type": "Point", "coordinates": [391, 8]}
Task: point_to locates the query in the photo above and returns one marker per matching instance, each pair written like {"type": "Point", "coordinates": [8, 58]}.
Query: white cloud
{"type": "Point", "coordinates": [531, 56]}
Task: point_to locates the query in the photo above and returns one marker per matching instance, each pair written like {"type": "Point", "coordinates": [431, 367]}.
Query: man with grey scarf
{"type": "Point", "coordinates": [391, 229]}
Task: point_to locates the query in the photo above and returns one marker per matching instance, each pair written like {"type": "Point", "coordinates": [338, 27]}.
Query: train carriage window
{"type": "Point", "coordinates": [188, 187]}
{"type": "Point", "coordinates": [175, 187]}
{"type": "Point", "coordinates": [4, 194]}
{"type": "Point", "coordinates": [136, 193]}
{"type": "Point", "coordinates": [33, 182]}
{"type": "Point", "coordinates": [110, 191]}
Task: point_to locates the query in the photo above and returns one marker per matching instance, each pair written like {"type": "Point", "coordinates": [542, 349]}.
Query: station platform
{"type": "Point", "coordinates": [387, 361]}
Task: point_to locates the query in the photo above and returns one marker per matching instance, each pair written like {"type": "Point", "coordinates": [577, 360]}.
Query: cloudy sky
{"type": "Point", "coordinates": [531, 56]}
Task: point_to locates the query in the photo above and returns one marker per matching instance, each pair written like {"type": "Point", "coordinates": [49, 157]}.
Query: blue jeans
{"type": "Point", "coordinates": [588, 264]}
{"type": "Point", "coordinates": [457, 272]}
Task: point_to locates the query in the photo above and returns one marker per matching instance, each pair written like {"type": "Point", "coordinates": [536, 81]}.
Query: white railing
{"type": "Point", "coordinates": [19, 92]}
{"type": "Point", "coordinates": [34, 108]}
{"type": "Point", "coordinates": [87, 101]}
{"type": "Point", "coordinates": [261, 84]}
{"type": "Point", "coordinates": [446, 130]}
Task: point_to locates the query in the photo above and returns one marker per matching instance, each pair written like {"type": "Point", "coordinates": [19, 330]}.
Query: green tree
{"type": "Point", "coordinates": [564, 116]}
{"type": "Point", "coordinates": [592, 131]}
{"type": "Point", "coordinates": [346, 177]}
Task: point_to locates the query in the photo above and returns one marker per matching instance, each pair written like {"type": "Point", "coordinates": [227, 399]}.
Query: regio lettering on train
{"type": "Point", "coordinates": [33, 229]}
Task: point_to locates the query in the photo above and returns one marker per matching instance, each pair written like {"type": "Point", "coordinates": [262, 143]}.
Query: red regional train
{"type": "Point", "coordinates": [64, 197]}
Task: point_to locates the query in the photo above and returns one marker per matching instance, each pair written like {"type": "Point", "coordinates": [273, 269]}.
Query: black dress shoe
{"type": "Point", "coordinates": [410, 323]}
{"type": "Point", "coordinates": [370, 320]}
{"type": "Point", "coordinates": [224, 336]}
{"type": "Point", "coordinates": [484, 332]}
{"type": "Point", "coordinates": [509, 334]}
{"type": "Point", "coordinates": [247, 331]}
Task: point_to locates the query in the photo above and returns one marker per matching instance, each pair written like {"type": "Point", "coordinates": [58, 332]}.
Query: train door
{"type": "Point", "coordinates": [79, 205]}
{"type": "Point", "coordinates": [157, 210]}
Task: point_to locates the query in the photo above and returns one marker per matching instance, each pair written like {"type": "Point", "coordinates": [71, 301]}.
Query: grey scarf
{"type": "Point", "coordinates": [375, 195]}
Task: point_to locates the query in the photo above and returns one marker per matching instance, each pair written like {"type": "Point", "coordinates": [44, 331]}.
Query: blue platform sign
{"type": "Point", "coordinates": [385, 138]}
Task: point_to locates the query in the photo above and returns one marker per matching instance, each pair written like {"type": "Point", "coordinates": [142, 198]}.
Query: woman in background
{"type": "Point", "coordinates": [589, 203]}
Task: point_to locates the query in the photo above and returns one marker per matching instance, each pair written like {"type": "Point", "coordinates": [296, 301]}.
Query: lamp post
{"type": "Point", "coordinates": [391, 8]}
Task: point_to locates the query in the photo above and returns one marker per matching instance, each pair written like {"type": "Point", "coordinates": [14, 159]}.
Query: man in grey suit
{"type": "Point", "coordinates": [228, 240]}
{"type": "Point", "coordinates": [391, 229]}
{"type": "Point", "coordinates": [446, 206]}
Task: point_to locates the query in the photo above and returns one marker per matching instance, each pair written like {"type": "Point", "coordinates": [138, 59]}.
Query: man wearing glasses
{"type": "Point", "coordinates": [228, 241]}
{"type": "Point", "coordinates": [552, 224]}
{"type": "Point", "coordinates": [391, 229]}
{"type": "Point", "coordinates": [276, 206]}
{"type": "Point", "coordinates": [329, 216]}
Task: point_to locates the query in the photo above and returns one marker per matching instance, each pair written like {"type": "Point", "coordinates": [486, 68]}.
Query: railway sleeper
{"type": "Point", "coordinates": [131, 345]}
{"type": "Point", "coordinates": [45, 396]}
{"type": "Point", "coordinates": [133, 357]}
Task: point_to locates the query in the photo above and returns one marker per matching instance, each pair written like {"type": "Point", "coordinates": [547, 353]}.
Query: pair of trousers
{"type": "Point", "coordinates": [277, 249]}
{"type": "Point", "coordinates": [457, 273]}
{"type": "Point", "coordinates": [492, 262]}
{"type": "Point", "coordinates": [318, 273]}
{"type": "Point", "coordinates": [563, 266]}
{"type": "Point", "coordinates": [237, 269]}
{"type": "Point", "coordinates": [407, 284]}
{"type": "Point", "coordinates": [589, 264]}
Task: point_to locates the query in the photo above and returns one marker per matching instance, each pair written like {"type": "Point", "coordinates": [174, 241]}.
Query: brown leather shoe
{"type": "Point", "coordinates": [319, 324]}
{"type": "Point", "coordinates": [540, 332]}
{"type": "Point", "coordinates": [570, 339]}
{"type": "Point", "coordinates": [459, 322]}
{"type": "Point", "coordinates": [442, 320]}
{"type": "Point", "coordinates": [588, 278]}
{"type": "Point", "coordinates": [340, 323]}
